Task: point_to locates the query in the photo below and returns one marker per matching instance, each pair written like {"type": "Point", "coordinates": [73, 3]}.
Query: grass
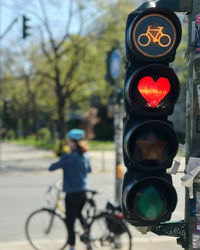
{"type": "Point", "coordinates": [95, 145]}
{"type": "Point", "coordinates": [101, 145]}
{"type": "Point", "coordinates": [31, 141]}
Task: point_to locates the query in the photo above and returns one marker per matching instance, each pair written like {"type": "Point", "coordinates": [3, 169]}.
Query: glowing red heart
{"type": "Point", "coordinates": [154, 91]}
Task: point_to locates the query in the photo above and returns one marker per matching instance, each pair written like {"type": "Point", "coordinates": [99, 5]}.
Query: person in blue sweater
{"type": "Point", "coordinates": [76, 166]}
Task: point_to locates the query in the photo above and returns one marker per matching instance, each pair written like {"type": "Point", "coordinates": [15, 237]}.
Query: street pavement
{"type": "Point", "coordinates": [24, 179]}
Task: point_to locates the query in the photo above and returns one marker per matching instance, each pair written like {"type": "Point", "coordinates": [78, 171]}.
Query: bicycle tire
{"type": "Point", "coordinates": [89, 210]}
{"type": "Point", "coordinates": [144, 36]}
{"type": "Point", "coordinates": [46, 230]}
{"type": "Point", "coordinates": [101, 236]}
{"type": "Point", "coordinates": [166, 37]}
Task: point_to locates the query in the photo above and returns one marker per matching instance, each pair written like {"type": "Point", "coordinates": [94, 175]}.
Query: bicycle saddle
{"type": "Point", "coordinates": [110, 206]}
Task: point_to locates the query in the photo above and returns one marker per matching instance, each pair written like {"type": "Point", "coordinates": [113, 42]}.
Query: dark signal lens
{"type": "Point", "coordinates": [151, 145]}
{"type": "Point", "coordinates": [150, 148]}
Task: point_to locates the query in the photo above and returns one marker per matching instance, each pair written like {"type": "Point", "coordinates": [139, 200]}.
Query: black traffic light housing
{"type": "Point", "coordinates": [25, 26]}
{"type": "Point", "coordinates": [151, 90]}
{"type": "Point", "coordinates": [137, 22]}
{"type": "Point", "coordinates": [157, 191]}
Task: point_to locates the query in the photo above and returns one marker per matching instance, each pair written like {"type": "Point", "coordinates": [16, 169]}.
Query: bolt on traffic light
{"type": "Point", "coordinates": [151, 90]}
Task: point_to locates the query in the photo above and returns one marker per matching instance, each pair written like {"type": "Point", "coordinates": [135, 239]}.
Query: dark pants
{"type": "Point", "coordinates": [74, 203]}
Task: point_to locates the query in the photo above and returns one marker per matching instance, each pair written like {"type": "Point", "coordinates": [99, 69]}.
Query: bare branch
{"type": "Point", "coordinates": [43, 46]}
{"type": "Point", "coordinates": [67, 27]}
{"type": "Point", "coordinates": [69, 75]}
{"type": "Point", "coordinates": [46, 75]}
{"type": "Point", "coordinates": [80, 7]}
{"type": "Point", "coordinates": [8, 28]}
{"type": "Point", "coordinates": [63, 52]}
{"type": "Point", "coordinates": [46, 23]}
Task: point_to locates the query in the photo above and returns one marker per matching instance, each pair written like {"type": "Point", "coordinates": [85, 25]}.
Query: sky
{"type": "Point", "coordinates": [11, 9]}
{"type": "Point", "coordinates": [56, 11]}
{"type": "Point", "coordinates": [57, 14]}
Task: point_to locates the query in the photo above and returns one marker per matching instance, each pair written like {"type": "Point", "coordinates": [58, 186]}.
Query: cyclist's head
{"type": "Point", "coordinates": [75, 139]}
{"type": "Point", "coordinates": [75, 134]}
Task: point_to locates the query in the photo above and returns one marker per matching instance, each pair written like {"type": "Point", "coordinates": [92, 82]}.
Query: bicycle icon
{"type": "Point", "coordinates": [154, 35]}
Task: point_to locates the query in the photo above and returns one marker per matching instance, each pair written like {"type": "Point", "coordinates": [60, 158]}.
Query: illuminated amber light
{"type": "Point", "coordinates": [154, 91]}
{"type": "Point", "coordinates": [154, 36]}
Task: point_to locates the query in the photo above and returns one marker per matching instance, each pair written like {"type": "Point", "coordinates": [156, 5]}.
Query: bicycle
{"type": "Point", "coordinates": [154, 35]}
{"type": "Point", "coordinates": [46, 229]}
{"type": "Point", "coordinates": [108, 230]}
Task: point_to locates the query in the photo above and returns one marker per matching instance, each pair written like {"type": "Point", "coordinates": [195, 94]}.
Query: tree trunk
{"type": "Point", "coordinates": [61, 126]}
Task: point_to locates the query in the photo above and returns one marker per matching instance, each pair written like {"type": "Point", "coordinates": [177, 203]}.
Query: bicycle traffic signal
{"type": "Point", "coordinates": [25, 26]}
{"type": "Point", "coordinates": [151, 90]}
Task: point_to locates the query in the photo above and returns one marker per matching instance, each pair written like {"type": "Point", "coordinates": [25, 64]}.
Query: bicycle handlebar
{"type": "Point", "coordinates": [58, 186]}
{"type": "Point", "coordinates": [92, 192]}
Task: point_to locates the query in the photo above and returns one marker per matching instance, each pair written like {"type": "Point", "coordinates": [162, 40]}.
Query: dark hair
{"type": "Point", "coordinates": [82, 146]}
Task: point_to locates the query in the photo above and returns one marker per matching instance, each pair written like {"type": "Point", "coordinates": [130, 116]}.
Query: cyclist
{"type": "Point", "coordinates": [76, 166]}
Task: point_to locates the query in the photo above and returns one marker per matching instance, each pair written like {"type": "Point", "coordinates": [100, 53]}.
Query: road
{"type": "Point", "coordinates": [24, 179]}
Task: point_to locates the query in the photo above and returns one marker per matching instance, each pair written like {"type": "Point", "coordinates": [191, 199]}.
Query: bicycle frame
{"type": "Point", "coordinates": [158, 30]}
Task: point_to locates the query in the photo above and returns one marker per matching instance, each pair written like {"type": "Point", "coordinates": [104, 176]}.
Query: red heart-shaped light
{"type": "Point", "coordinates": [153, 91]}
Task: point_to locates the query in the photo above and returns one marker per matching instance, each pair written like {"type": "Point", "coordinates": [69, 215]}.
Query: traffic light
{"type": "Point", "coordinates": [7, 110]}
{"type": "Point", "coordinates": [151, 90]}
{"type": "Point", "coordinates": [25, 26]}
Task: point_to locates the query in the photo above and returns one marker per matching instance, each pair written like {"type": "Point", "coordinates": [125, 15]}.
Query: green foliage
{"type": "Point", "coordinates": [44, 134]}
{"type": "Point", "coordinates": [31, 140]}
{"type": "Point", "coordinates": [56, 147]}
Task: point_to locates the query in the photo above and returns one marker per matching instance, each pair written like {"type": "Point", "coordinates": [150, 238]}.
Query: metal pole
{"type": "Point", "coordinates": [118, 126]}
{"type": "Point", "coordinates": [113, 76]}
{"type": "Point", "coordinates": [192, 206]}
{"type": "Point", "coordinates": [0, 83]}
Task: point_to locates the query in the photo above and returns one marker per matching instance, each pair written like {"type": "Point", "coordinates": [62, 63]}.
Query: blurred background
{"type": "Point", "coordinates": [53, 68]}
{"type": "Point", "coordinates": [53, 77]}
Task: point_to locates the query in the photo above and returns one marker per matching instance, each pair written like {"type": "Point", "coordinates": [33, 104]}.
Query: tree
{"type": "Point", "coordinates": [71, 62]}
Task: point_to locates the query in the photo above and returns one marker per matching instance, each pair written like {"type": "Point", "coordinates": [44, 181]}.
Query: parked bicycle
{"type": "Point", "coordinates": [46, 229]}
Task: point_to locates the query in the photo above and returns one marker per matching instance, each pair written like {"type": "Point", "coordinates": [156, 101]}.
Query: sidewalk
{"type": "Point", "coordinates": [138, 244]}
{"type": "Point", "coordinates": [28, 158]}
{"type": "Point", "coordinates": [14, 157]}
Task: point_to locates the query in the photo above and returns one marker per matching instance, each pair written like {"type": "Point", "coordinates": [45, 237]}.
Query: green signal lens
{"type": "Point", "coordinates": [151, 199]}
{"type": "Point", "coordinates": [150, 204]}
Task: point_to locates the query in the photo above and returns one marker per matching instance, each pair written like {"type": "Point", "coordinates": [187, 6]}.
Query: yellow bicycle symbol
{"type": "Point", "coordinates": [154, 35]}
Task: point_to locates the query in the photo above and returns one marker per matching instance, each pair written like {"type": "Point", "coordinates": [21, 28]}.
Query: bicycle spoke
{"type": "Point", "coordinates": [46, 230]}
{"type": "Point", "coordinates": [109, 236]}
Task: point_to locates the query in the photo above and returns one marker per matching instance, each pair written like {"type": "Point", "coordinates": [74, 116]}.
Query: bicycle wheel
{"type": "Point", "coordinates": [89, 210]}
{"type": "Point", "coordinates": [46, 230]}
{"type": "Point", "coordinates": [107, 232]}
{"type": "Point", "coordinates": [164, 40]}
{"type": "Point", "coordinates": [144, 40]}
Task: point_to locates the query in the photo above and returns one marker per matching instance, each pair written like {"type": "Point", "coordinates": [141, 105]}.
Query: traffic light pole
{"type": "Point", "coordinates": [118, 128]}
{"type": "Point", "coordinates": [113, 77]}
{"type": "Point", "coordinates": [192, 205]}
